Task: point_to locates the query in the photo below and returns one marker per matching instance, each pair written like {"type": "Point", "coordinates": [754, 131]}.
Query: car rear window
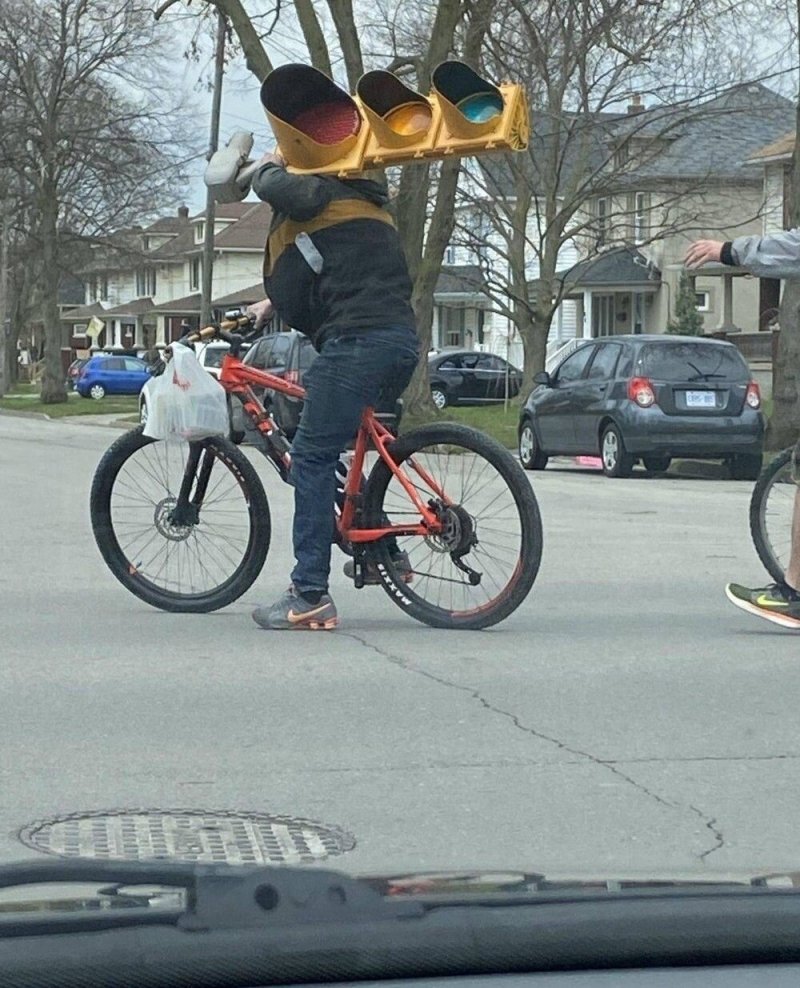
{"type": "Point", "coordinates": [213, 356]}
{"type": "Point", "coordinates": [686, 362]}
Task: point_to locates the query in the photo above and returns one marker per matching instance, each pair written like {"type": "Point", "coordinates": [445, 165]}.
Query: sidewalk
{"type": "Point", "coordinates": [112, 421]}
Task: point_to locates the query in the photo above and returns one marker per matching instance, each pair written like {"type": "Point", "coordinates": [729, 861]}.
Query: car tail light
{"type": "Point", "coordinates": [640, 390]}
{"type": "Point", "coordinates": [753, 396]}
{"type": "Point", "coordinates": [292, 377]}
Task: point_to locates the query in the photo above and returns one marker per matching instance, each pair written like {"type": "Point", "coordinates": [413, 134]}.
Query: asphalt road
{"type": "Point", "coordinates": [625, 719]}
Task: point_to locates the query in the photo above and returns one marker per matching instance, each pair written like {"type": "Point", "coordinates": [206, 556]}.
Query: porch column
{"type": "Point", "coordinates": [727, 324]}
{"type": "Point", "coordinates": [586, 327]}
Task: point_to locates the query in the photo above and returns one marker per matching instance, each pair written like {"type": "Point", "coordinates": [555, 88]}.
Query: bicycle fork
{"type": "Point", "coordinates": [187, 512]}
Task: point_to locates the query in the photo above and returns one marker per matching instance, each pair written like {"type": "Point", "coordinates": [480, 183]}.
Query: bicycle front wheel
{"type": "Point", "coordinates": [197, 562]}
{"type": "Point", "coordinates": [483, 563]}
{"type": "Point", "coordinates": [771, 507]}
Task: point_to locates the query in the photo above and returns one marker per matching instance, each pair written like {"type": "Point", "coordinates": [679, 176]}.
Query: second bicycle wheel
{"type": "Point", "coordinates": [195, 563]}
{"type": "Point", "coordinates": [483, 563]}
{"type": "Point", "coordinates": [771, 507]}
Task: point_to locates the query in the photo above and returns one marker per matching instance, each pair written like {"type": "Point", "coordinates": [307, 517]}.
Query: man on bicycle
{"type": "Point", "coordinates": [773, 256]}
{"type": "Point", "coordinates": [334, 269]}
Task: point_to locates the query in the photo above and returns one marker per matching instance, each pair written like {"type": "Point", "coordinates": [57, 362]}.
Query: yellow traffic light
{"type": "Point", "coordinates": [322, 129]}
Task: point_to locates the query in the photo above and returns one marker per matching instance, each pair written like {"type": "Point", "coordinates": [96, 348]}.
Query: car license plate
{"type": "Point", "coordinates": [701, 399]}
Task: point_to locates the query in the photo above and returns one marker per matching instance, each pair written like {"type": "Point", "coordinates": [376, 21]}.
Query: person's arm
{"type": "Point", "coordinates": [774, 256]}
{"type": "Point", "coordinates": [300, 197]}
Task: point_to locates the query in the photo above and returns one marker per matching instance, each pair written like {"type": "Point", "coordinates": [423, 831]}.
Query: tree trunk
{"type": "Point", "coordinates": [255, 56]}
{"type": "Point", "coordinates": [534, 328]}
{"type": "Point", "coordinates": [315, 39]}
{"type": "Point", "coordinates": [418, 395]}
{"type": "Point", "coordinates": [784, 426]}
{"type": "Point", "coordinates": [53, 389]}
{"type": "Point", "coordinates": [347, 32]}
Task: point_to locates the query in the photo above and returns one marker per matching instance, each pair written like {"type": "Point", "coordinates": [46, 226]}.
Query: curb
{"type": "Point", "coordinates": [68, 419]}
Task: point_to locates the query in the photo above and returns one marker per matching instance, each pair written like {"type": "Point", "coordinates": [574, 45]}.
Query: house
{"type": "Point", "coordinates": [657, 179]}
{"type": "Point", "coordinates": [686, 174]}
{"type": "Point", "coordinates": [145, 286]}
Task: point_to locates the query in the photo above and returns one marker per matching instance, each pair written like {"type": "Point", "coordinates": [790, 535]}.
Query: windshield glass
{"type": "Point", "coordinates": [686, 362]}
{"type": "Point", "coordinates": [347, 604]}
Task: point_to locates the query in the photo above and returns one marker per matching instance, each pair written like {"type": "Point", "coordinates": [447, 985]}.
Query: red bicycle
{"type": "Point", "coordinates": [186, 526]}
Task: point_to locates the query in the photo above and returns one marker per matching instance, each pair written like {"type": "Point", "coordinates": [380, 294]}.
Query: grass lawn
{"type": "Point", "coordinates": [492, 419]}
{"type": "Point", "coordinates": [25, 398]}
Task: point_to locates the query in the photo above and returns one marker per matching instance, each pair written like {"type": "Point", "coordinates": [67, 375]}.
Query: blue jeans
{"type": "Point", "coordinates": [350, 374]}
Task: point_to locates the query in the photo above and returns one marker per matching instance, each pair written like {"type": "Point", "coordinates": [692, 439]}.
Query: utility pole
{"type": "Point", "coordinates": [213, 142]}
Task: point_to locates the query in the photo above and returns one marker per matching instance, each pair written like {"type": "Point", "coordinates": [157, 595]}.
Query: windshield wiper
{"type": "Point", "coordinates": [701, 375]}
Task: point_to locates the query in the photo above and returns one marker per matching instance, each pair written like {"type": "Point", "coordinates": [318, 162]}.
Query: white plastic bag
{"type": "Point", "coordinates": [185, 401]}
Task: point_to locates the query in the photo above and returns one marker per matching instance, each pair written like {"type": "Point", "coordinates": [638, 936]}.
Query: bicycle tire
{"type": "Point", "coordinates": [396, 584]}
{"type": "Point", "coordinates": [764, 541]}
{"type": "Point", "coordinates": [127, 573]}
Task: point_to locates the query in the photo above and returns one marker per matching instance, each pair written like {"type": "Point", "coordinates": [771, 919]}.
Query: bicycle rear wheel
{"type": "Point", "coordinates": [771, 507]}
{"type": "Point", "coordinates": [483, 564]}
{"type": "Point", "coordinates": [197, 563]}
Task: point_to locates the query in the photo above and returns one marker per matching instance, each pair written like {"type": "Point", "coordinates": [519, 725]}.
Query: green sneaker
{"type": "Point", "coordinates": [294, 613]}
{"type": "Point", "coordinates": [778, 603]}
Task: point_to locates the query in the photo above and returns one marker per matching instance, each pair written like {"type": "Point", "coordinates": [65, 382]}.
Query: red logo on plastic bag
{"type": "Point", "coordinates": [183, 385]}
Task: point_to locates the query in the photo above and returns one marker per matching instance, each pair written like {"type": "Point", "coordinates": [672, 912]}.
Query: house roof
{"type": "Point", "coordinates": [180, 306]}
{"type": "Point", "coordinates": [460, 279]}
{"type": "Point", "coordinates": [176, 247]}
{"type": "Point", "coordinates": [169, 224]}
{"type": "Point", "coordinates": [133, 308]}
{"type": "Point", "coordinates": [227, 210]}
{"type": "Point", "coordinates": [715, 139]}
{"type": "Point", "coordinates": [782, 148]}
{"type": "Point", "coordinates": [245, 296]}
{"type": "Point", "coordinates": [83, 312]}
{"type": "Point", "coordinates": [250, 231]}
{"type": "Point", "coordinates": [621, 266]}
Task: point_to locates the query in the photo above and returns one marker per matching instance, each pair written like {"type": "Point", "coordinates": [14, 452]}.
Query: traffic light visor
{"type": "Point", "coordinates": [314, 121]}
{"type": "Point", "coordinates": [397, 114]}
{"type": "Point", "coordinates": [471, 104]}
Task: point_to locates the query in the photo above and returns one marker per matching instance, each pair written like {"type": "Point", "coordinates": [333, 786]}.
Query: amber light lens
{"type": "Point", "coordinates": [409, 119]}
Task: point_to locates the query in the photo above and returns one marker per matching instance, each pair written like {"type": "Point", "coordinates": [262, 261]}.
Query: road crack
{"type": "Point", "coordinates": [610, 765]}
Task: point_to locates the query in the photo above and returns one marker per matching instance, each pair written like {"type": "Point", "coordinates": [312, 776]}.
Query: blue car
{"type": "Point", "coordinates": [106, 375]}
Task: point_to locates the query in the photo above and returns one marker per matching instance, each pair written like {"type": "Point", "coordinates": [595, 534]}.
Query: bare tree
{"type": "Point", "coordinates": [90, 144]}
{"type": "Point", "coordinates": [585, 62]}
{"type": "Point", "coordinates": [414, 39]}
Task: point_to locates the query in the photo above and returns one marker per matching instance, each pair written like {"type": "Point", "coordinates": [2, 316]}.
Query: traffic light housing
{"type": "Point", "coordinates": [321, 129]}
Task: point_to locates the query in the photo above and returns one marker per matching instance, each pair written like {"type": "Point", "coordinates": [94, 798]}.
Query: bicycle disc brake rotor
{"type": "Point", "coordinates": [162, 518]}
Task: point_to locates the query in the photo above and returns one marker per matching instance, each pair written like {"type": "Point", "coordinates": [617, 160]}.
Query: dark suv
{"type": "Point", "coordinates": [648, 398]}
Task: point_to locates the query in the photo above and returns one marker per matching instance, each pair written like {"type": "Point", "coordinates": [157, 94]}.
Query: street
{"type": "Point", "coordinates": [625, 719]}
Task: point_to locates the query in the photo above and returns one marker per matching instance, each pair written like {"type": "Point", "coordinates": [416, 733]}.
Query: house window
{"type": "Point", "coordinates": [640, 224]}
{"type": "Point", "coordinates": [602, 221]}
{"type": "Point", "coordinates": [451, 325]}
{"type": "Point", "coordinates": [450, 254]}
{"type": "Point", "coordinates": [98, 288]}
{"type": "Point", "coordinates": [702, 301]}
{"type": "Point", "coordinates": [145, 282]}
{"type": "Point", "coordinates": [200, 232]}
{"type": "Point", "coordinates": [194, 274]}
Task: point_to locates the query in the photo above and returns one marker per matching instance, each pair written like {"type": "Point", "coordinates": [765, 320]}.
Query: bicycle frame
{"type": "Point", "coordinates": [238, 379]}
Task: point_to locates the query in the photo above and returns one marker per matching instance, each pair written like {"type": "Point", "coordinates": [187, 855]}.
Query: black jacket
{"type": "Point", "coordinates": [364, 281]}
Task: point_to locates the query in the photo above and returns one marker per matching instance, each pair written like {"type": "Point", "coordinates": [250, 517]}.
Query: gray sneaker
{"type": "Point", "coordinates": [293, 613]}
{"type": "Point", "coordinates": [372, 577]}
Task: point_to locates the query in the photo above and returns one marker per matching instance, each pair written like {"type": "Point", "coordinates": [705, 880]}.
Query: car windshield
{"type": "Point", "coordinates": [687, 362]}
{"type": "Point", "coordinates": [538, 608]}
